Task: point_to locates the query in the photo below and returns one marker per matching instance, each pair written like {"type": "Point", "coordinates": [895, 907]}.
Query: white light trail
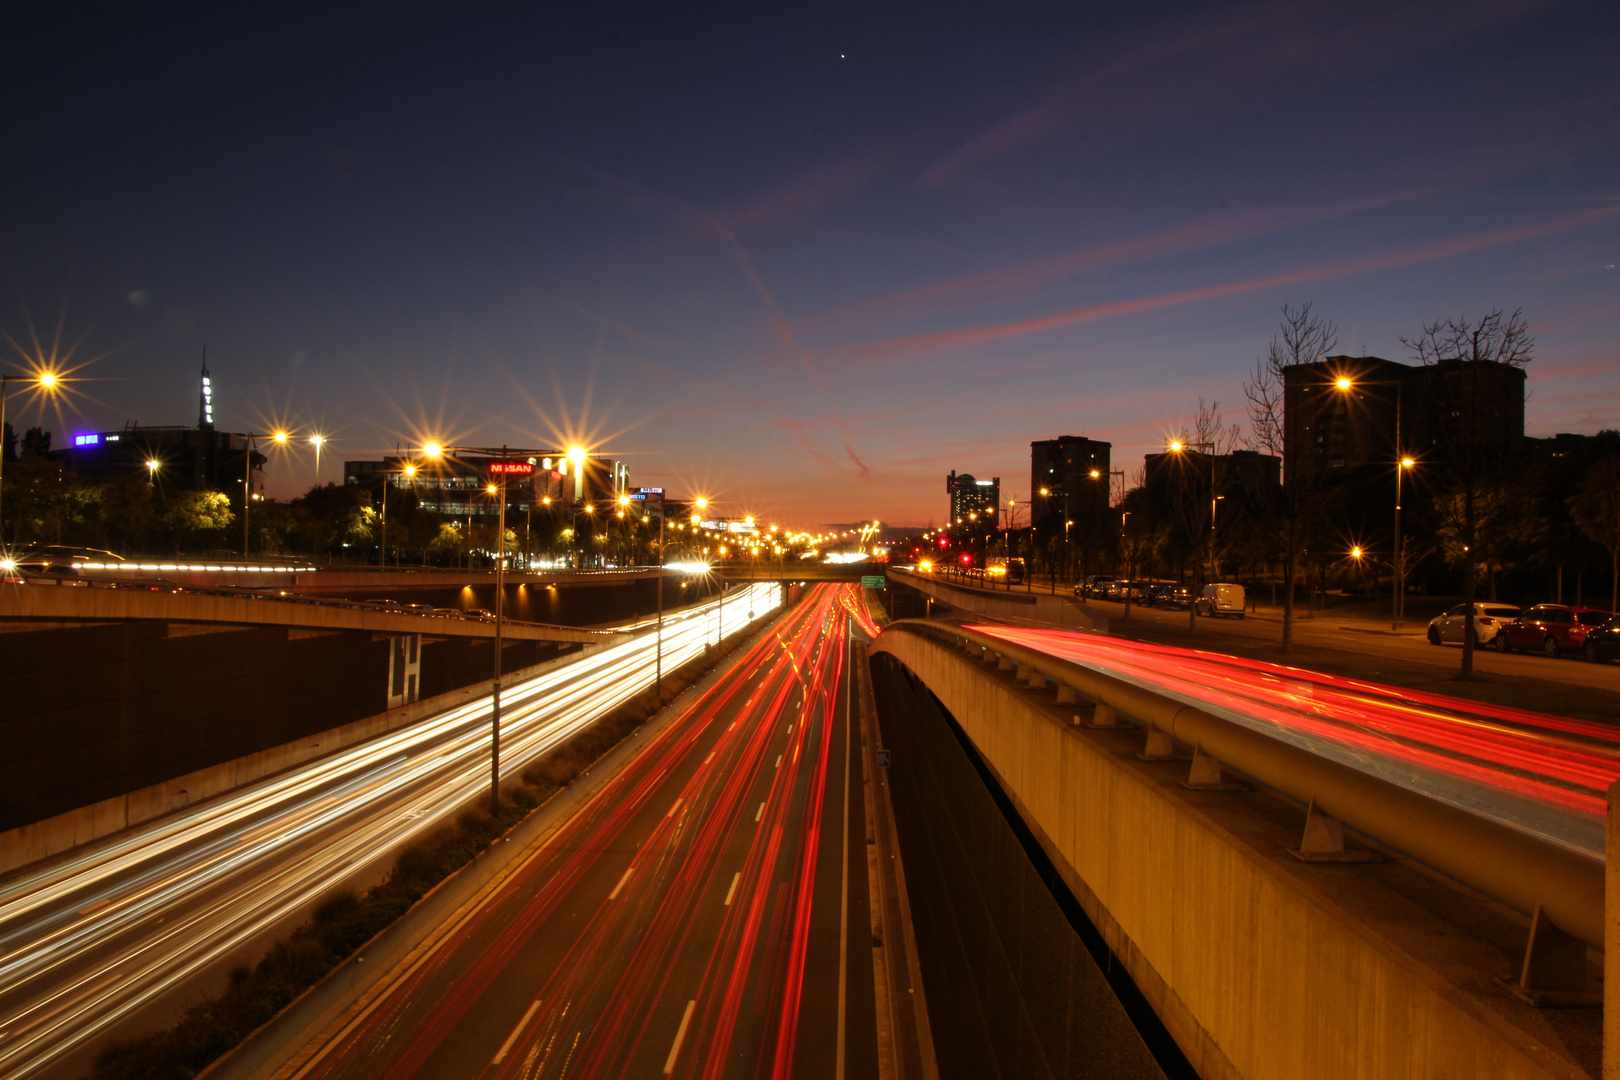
{"type": "Point", "coordinates": [91, 936]}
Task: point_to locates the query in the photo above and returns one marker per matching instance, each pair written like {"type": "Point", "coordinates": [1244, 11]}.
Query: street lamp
{"type": "Point", "coordinates": [45, 382]}
{"type": "Point", "coordinates": [1397, 603]}
{"type": "Point", "coordinates": [1179, 447]}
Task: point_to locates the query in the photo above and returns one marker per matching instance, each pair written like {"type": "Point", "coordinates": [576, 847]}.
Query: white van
{"type": "Point", "coordinates": [1223, 599]}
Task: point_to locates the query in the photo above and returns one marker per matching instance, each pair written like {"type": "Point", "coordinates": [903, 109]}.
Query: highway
{"type": "Point", "coordinates": [1544, 775]}
{"type": "Point", "coordinates": [691, 921]}
{"type": "Point", "coordinates": [92, 937]}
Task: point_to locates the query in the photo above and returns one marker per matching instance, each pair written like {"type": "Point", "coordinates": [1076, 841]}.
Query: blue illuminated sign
{"type": "Point", "coordinates": [86, 440]}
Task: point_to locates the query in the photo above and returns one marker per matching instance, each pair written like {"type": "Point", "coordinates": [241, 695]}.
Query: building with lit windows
{"type": "Point", "coordinates": [1068, 475]}
{"type": "Point", "coordinates": [177, 458]}
{"type": "Point", "coordinates": [975, 504]}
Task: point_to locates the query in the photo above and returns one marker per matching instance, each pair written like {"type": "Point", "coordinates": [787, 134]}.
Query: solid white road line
{"type": "Point", "coordinates": [614, 895]}
{"type": "Point", "coordinates": [758, 813]}
{"type": "Point", "coordinates": [733, 890]}
{"type": "Point", "coordinates": [843, 870]}
{"type": "Point", "coordinates": [500, 1055]}
{"type": "Point", "coordinates": [686, 1018]}
{"type": "Point", "coordinates": [674, 808]}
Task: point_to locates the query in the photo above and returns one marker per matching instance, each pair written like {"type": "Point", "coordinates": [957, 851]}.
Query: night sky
{"type": "Point", "coordinates": [805, 261]}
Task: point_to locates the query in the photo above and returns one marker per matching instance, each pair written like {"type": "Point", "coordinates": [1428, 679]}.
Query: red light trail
{"type": "Point", "coordinates": [1467, 752]}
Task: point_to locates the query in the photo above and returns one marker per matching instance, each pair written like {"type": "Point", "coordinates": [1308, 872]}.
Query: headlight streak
{"type": "Point", "coordinates": [1543, 775]}
{"type": "Point", "coordinates": [239, 863]}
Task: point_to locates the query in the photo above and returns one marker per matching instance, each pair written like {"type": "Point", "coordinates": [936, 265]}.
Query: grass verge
{"type": "Point", "coordinates": [346, 920]}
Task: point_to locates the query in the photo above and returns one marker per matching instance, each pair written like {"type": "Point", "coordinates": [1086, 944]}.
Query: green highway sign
{"type": "Point", "coordinates": [872, 581]}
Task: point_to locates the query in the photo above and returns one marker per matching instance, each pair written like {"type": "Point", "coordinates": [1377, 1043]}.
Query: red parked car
{"type": "Point", "coordinates": [1550, 628]}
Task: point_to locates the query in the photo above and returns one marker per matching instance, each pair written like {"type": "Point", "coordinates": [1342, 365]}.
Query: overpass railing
{"type": "Point", "coordinates": [1538, 878]}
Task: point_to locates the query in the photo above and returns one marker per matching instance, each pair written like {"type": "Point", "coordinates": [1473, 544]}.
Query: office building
{"type": "Point", "coordinates": [174, 457]}
{"type": "Point", "coordinates": [1068, 475]}
{"type": "Point", "coordinates": [1341, 415]}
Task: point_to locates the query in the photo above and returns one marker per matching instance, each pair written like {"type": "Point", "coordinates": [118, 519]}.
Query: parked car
{"type": "Point", "coordinates": [477, 613]}
{"type": "Point", "coordinates": [1602, 642]}
{"type": "Point", "coordinates": [1223, 598]}
{"type": "Point", "coordinates": [1488, 622]}
{"type": "Point", "coordinates": [1172, 596]}
{"type": "Point", "coordinates": [386, 605]}
{"type": "Point", "coordinates": [1093, 585]}
{"type": "Point", "coordinates": [1551, 628]}
{"type": "Point", "coordinates": [448, 612]}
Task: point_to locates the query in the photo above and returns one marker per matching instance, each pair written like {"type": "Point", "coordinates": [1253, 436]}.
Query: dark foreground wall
{"type": "Point", "coordinates": [90, 713]}
{"type": "Point", "coordinates": [1010, 966]}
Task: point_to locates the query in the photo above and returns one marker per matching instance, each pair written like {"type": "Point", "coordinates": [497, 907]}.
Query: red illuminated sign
{"type": "Point", "coordinates": [511, 468]}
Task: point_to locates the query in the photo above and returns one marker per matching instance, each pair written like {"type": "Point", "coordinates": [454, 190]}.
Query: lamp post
{"type": "Point", "coordinates": [1397, 603]}
{"type": "Point", "coordinates": [46, 381]}
{"type": "Point", "coordinates": [382, 543]}
{"type": "Point", "coordinates": [1178, 447]}
{"type": "Point", "coordinates": [502, 466]}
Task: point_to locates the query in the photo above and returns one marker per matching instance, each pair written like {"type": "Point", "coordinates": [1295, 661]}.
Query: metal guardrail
{"type": "Point", "coordinates": [1507, 865]}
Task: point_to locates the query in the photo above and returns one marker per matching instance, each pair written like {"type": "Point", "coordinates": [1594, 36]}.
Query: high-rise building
{"type": "Point", "coordinates": [974, 503]}
{"type": "Point", "coordinates": [1341, 414]}
{"type": "Point", "coordinates": [1068, 475]}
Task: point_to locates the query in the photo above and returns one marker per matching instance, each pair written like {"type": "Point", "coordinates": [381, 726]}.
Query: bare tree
{"type": "Point", "coordinates": [1303, 338]}
{"type": "Point", "coordinates": [1466, 352]}
{"type": "Point", "coordinates": [1199, 482]}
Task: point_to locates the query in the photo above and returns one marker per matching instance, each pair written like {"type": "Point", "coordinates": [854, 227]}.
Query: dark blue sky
{"type": "Point", "coordinates": [804, 260]}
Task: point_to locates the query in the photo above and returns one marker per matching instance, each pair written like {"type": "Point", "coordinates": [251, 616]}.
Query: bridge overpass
{"type": "Point", "coordinates": [1278, 912]}
{"type": "Point", "coordinates": [103, 602]}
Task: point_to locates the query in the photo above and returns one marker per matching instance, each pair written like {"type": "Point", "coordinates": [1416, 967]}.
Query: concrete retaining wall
{"type": "Point", "coordinates": [53, 835]}
{"type": "Point", "coordinates": [1258, 965]}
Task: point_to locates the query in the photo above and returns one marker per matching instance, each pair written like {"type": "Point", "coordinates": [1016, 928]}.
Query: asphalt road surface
{"type": "Point", "coordinates": [703, 916]}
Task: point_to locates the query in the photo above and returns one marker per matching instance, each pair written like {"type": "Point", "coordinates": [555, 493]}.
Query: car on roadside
{"type": "Point", "coordinates": [477, 613]}
{"type": "Point", "coordinates": [1489, 618]}
{"type": "Point", "coordinates": [1602, 643]}
{"type": "Point", "coordinates": [1172, 596]}
{"type": "Point", "coordinates": [1224, 599]}
{"type": "Point", "coordinates": [448, 612]}
{"type": "Point", "coordinates": [1092, 585]}
{"type": "Point", "coordinates": [1552, 629]}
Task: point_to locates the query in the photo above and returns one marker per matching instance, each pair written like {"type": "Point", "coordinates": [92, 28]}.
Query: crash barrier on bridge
{"type": "Point", "coordinates": [1016, 606]}
{"type": "Point", "coordinates": [1258, 963]}
{"type": "Point", "coordinates": [70, 601]}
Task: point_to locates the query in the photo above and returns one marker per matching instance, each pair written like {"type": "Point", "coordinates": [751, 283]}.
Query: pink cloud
{"type": "Point", "coordinates": [896, 349]}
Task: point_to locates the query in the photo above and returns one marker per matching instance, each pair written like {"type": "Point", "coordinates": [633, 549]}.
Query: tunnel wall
{"type": "Point", "coordinates": [1013, 990]}
{"type": "Point", "coordinates": [1258, 965]}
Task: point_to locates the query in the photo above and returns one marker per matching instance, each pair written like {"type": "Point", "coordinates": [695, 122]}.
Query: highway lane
{"type": "Point", "coordinates": [1354, 634]}
{"type": "Point", "coordinates": [695, 919]}
{"type": "Point", "coordinates": [1545, 775]}
{"type": "Point", "coordinates": [92, 937]}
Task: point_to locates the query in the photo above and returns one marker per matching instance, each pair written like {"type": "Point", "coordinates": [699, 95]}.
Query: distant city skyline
{"type": "Point", "coordinates": [803, 265]}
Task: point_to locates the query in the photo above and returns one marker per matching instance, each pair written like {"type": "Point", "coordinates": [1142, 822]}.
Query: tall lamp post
{"type": "Point", "coordinates": [506, 462]}
{"type": "Point", "coordinates": [45, 381]}
{"type": "Point", "coordinates": [1179, 447]}
{"type": "Point", "coordinates": [408, 470]}
{"type": "Point", "coordinates": [280, 439]}
{"type": "Point", "coordinates": [1397, 604]}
